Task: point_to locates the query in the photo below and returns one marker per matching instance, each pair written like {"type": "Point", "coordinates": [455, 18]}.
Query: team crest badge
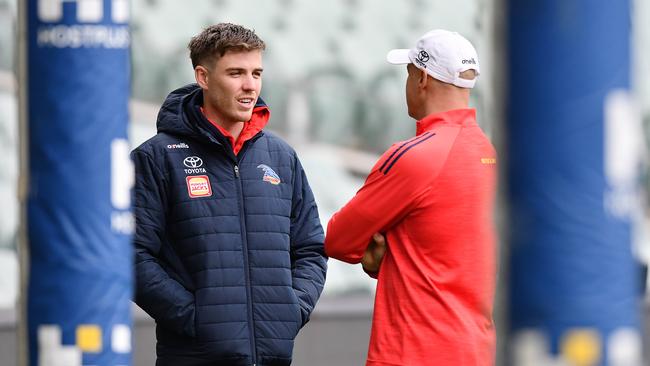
{"type": "Point", "coordinates": [198, 186]}
{"type": "Point", "coordinates": [269, 175]}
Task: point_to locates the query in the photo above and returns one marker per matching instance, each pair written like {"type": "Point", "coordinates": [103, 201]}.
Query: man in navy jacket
{"type": "Point", "coordinates": [229, 246]}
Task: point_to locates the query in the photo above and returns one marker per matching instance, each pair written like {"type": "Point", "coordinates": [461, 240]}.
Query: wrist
{"type": "Point", "coordinates": [370, 267]}
{"type": "Point", "coordinates": [371, 272]}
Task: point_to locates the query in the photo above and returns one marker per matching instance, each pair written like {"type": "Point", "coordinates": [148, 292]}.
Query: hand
{"type": "Point", "coordinates": [374, 253]}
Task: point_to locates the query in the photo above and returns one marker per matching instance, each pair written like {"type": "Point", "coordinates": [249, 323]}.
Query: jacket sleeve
{"type": "Point", "coordinates": [386, 197]}
{"type": "Point", "coordinates": [162, 297]}
{"type": "Point", "coordinates": [308, 261]}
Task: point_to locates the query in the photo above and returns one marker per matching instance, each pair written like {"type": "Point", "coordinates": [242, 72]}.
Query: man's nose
{"type": "Point", "coordinates": [249, 83]}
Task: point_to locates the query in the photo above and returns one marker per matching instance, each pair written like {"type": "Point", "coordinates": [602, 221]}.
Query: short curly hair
{"type": "Point", "coordinates": [214, 41]}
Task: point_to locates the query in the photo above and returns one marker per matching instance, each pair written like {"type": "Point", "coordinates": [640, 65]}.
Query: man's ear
{"type": "Point", "coordinates": [423, 79]}
{"type": "Point", "coordinates": [201, 76]}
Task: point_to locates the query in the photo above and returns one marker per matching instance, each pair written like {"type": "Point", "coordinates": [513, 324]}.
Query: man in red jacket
{"type": "Point", "coordinates": [432, 198]}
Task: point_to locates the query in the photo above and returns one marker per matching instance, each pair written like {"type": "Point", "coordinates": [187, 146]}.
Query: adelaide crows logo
{"type": "Point", "coordinates": [269, 175]}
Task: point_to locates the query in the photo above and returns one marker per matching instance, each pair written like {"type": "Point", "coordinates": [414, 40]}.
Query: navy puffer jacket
{"type": "Point", "coordinates": [229, 249]}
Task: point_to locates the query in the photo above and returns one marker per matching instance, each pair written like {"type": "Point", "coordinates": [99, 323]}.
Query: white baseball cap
{"type": "Point", "coordinates": [443, 55]}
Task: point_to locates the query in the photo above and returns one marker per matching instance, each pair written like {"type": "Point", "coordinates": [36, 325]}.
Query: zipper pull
{"type": "Point", "coordinates": [236, 171]}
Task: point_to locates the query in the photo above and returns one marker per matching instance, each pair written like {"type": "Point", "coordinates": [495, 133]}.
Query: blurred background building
{"type": "Point", "coordinates": [332, 96]}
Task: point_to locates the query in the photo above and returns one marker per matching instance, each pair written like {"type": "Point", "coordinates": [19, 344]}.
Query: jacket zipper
{"type": "Point", "coordinates": [249, 295]}
{"type": "Point", "coordinates": [242, 218]}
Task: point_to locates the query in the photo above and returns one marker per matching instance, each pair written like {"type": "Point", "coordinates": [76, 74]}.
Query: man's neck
{"type": "Point", "coordinates": [448, 101]}
{"type": "Point", "coordinates": [233, 128]}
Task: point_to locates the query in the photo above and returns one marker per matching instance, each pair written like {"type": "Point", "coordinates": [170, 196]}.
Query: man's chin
{"type": "Point", "coordinates": [245, 116]}
{"type": "Point", "coordinates": [240, 116]}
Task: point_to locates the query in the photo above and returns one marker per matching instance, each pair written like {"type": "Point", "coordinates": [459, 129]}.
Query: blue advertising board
{"type": "Point", "coordinates": [78, 206]}
{"type": "Point", "coordinates": [573, 280]}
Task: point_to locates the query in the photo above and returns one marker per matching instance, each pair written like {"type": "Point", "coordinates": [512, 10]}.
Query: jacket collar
{"type": "Point", "coordinates": [463, 117]}
{"type": "Point", "coordinates": [255, 125]}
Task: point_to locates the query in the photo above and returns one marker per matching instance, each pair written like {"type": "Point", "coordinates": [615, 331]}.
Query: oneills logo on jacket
{"type": "Point", "coordinates": [180, 145]}
{"type": "Point", "coordinates": [269, 175]}
{"type": "Point", "coordinates": [198, 186]}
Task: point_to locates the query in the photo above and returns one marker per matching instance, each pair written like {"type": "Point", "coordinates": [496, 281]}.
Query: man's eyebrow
{"type": "Point", "coordinates": [243, 69]}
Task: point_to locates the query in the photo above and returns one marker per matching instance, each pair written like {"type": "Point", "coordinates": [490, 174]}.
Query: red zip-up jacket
{"type": "Point", "coordinates": [432, 196]}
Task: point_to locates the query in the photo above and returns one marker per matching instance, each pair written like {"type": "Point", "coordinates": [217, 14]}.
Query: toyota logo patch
{"type": "Point", "coordinates": [192, 162]}
{"type": "Point", "coordinates": [423, 56]}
